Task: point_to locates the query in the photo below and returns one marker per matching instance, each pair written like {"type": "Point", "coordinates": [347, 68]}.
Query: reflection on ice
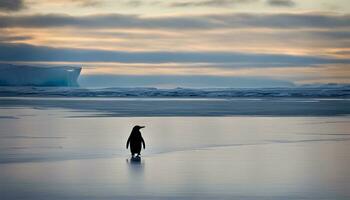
{"type": "Point", "coordinates": [135, 167]}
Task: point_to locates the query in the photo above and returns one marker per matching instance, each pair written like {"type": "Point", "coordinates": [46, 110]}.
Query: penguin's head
{"type": "Point", "coordinates": [137, 127]}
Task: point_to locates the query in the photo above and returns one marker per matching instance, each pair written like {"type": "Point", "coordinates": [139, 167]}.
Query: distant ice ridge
{"type": "Point", "coordinates": [20, 75]}
{"type": "Point", "coordinates": [322, 91]}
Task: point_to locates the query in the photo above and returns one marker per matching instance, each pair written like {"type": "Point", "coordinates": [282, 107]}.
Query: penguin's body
{"type": "Point", "coordinates": [136, 141]}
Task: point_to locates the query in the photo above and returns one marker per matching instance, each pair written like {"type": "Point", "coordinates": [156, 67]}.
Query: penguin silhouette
{"type": "Point", "coordinates": [135, 139]}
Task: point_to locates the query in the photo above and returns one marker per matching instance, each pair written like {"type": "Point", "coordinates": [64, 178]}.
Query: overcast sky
{"type": "Point", "coordinates": [187, 43]}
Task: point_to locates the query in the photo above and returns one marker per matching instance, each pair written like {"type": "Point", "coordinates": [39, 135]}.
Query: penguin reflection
{"type": "Point", "coordinates": [135, 140]}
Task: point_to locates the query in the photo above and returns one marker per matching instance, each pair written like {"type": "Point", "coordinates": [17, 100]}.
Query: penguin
{"type": "Point", "coordinates": [135, 139]}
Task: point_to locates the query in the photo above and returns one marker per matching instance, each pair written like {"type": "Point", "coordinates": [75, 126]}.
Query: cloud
{"type": "Point", "coordinates": [134, 3]}
{"type": "Point", "coordinates": [77, 3]}
{"type": "Point", "coordinates": [5, 38]}
{"type": "Point", "coordinates": [17, 5]}
{"type": "Point", "coordinates": [210, 3]}
{"type": "Point", "coordinates": [11, 5]}
{"type": "Point", "coordinates": [343, 53]}
{"type": "Point", "coordinates": [283, 3]}
{"type": "Point", "coordinates": [86, 3]}
{"type": "Point", "coordinates": [23, 52]}
{"type": "Point", "coordinates": [300, 41]}
{"type": "Point", "coordinates": [189, 22]}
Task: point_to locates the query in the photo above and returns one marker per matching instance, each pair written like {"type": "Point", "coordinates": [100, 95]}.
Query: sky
{"type": "Point", "coordinates": [182, 43]}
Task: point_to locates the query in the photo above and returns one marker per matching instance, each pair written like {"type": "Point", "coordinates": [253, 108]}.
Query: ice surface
{"type": "Point", "coordinates": [142, 107]}
{"type": "Point", "coordinates": [47, 154]}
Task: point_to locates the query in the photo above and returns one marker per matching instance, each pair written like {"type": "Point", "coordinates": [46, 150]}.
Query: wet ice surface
{"type": "Point", "coordinates": [60, 153]}
{"type": "Point", "coordinates": [151, 107]}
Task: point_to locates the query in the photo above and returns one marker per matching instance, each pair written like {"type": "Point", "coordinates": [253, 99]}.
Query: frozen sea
{"type": "Point", "coordinates": [196, 148]}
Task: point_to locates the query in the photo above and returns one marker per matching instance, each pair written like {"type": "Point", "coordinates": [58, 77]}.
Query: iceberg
{"type": "Point", "coordinates": [22, 75]}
